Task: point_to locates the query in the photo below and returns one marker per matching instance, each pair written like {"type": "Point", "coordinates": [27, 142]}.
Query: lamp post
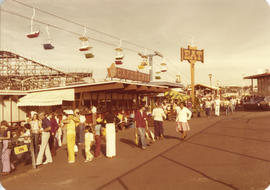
{"type": "Point", "coordinates": [218, 83]}
{"type": "Point", "coordinates": [210, 78]}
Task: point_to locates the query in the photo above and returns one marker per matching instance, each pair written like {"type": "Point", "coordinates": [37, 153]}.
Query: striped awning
{"type": "Point", "coordinates": [47, 98]}
{"type": "Point", "coordinates": [177, 95]}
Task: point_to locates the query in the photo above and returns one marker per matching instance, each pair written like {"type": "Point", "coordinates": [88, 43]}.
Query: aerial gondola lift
{"type": "Point", "coordinates": [85, 47]}
{"type": "Point", "coordinates": [140, 67]}
{"type": "Point", "coordinates": [48, 43]}
{"type": "Point", "coordinates": [33, 33]}
{"type": "Point", "coordinates": [157, 77]}
{"type": "Point", "coordinates": [119, 54]}
{"type": "Point", "coordinates": [163, 69]}
{"type": "Point", "coordinates": [144, 61]}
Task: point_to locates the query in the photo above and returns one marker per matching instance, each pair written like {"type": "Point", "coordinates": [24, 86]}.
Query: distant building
{"type": "Point", "coordinates": [202, 89]}
{"type": "Point", "coordinates": [263, 84]}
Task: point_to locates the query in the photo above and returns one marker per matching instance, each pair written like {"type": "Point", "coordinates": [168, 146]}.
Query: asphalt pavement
{"type": "Point", "coordinates": [226, 152]}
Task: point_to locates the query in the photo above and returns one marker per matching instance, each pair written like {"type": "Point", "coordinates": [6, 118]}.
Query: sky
{"type": "Point", "coordinates": [235, 35]}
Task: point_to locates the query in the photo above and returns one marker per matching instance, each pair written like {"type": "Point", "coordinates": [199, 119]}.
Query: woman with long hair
{"type": "Point", "coordinates": [109, 119]}
{"type": "Point", "coordinates": [35, 128]}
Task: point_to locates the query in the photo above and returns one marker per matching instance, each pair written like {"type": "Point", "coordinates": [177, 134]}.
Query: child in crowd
{"type": "Point", "coordinates": [88, 140]}
{"type": "Point", "coordinates": [26, 138]}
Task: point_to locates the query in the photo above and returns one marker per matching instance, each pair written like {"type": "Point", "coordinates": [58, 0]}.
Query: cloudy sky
{"type": "Point", "coordinates": [235, 35]}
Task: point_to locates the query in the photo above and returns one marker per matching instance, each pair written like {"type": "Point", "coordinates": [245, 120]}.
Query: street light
{"type": "Point", "coordinates": [218, 83]}
{"type": "Point", "coordinates": [210, 78]}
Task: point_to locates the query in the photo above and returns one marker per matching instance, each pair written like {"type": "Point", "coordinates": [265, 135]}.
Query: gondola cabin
{"type": "Point", "coordinates": [144, 63]}
{"type": "Point", "coordinates": [48, 46]}
{"type": "Point", "coordinates": [163, 64]}
{"type": "Point", "coordinates": [85, 48]}
{"type": "Point", "coordinates": [33, 34]}
{"type": "Point", "coordinates": [140, 67]}
{"type": "Point", "coordinates": [89, 55]}
{"type": "Point", "coordinates": [118, 62]}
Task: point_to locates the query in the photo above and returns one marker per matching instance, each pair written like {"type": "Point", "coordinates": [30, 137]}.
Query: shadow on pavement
{"type": "Point", "coordinates": [171, 137]}
{"type": "Point", "coordinates": [128, 141]}
{"type": "Point", "coordinates": [103, 149]}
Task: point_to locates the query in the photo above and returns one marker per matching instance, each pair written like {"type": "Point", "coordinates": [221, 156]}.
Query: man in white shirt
{"type": "Point", "coordinates": [94, 114]}
{"type": "Point", "coordinates": [158, 114]}
{"type": "Point", "coordinates": [233, 104]}
{"type": "Point", "coordinates": [217, 106]}
{"type": "Point", "coordinates": [182, 117]}
{"type": "Point", "coordinates": [208, 107]}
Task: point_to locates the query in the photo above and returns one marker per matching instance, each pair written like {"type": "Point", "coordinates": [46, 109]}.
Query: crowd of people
{"type": "Point", "coordinates": [44, 133]}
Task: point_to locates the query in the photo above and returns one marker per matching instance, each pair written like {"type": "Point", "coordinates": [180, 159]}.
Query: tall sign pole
{"type": "Point", "coordinates": [192, 55]}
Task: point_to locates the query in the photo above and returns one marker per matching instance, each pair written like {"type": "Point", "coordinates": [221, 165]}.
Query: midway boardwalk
{"type": "Point", "coordinates": [221, 153]}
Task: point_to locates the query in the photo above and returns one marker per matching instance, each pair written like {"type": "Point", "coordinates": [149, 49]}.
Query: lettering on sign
{"type": "Point", "coordinates": [116, 72]}
{"type": "Point", "coordinates": [192, 54]}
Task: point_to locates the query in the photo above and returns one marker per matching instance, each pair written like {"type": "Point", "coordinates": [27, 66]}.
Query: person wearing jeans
{"type": "Point", "coordinates": [35, 128]}
{"type": "Point", "coordinates": [44, 147]}
{"type": "Point", "coordinates": [141, 124]}
{"type": "Point", "coordinates": [97, 135]}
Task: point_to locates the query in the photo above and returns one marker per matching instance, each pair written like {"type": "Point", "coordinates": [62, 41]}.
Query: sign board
{"type": "Point", "coordinates": [116, 72]}
{"type": "Point", "coordinates": [192, 54]}
{"type": "Point", "coordinates": [20, 149]}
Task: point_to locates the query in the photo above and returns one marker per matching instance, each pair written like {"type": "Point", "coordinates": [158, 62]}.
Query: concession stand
{"type": "Point", "coordinates": [123, 93]}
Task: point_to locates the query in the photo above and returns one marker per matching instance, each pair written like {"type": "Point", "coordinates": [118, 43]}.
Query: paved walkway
{"type": "Point", "coordinates": [220, 153]}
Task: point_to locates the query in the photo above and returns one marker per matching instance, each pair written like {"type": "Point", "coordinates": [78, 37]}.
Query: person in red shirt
{"type": "Point", "coordinates": [141, 124]}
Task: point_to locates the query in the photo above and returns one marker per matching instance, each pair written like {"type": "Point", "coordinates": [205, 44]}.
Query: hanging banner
{"type": "Point", "coordinates": [116, 72]}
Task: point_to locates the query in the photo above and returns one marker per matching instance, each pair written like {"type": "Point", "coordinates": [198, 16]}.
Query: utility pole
{"type": "Point", "coordinates": [0, 24]}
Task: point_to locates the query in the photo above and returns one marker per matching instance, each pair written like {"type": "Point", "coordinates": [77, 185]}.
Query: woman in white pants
{"type": "Point", "coordinates": [110, 134]}
{"type": "Point", "coordinates": [44, 147]}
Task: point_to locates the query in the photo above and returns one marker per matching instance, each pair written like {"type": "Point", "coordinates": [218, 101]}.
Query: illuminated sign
{"type": "Point", "coordinates": [116, 72]}
{"type": "Point", "coordinates": [192, 54]}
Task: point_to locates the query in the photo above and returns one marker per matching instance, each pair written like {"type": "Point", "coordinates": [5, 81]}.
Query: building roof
{"type": "Point", "coordinates": [107, 85]}
{"type": "Point", "coordinates": [168, 84]}
{"type": "Point", "coordinates": [55, 96]}
{"type": "Point", "coordinates": [12, 92]}
{"type": "Point", "coordinates": [206, 86]}
{"type": "Point", "coordinates": [257, 76]}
